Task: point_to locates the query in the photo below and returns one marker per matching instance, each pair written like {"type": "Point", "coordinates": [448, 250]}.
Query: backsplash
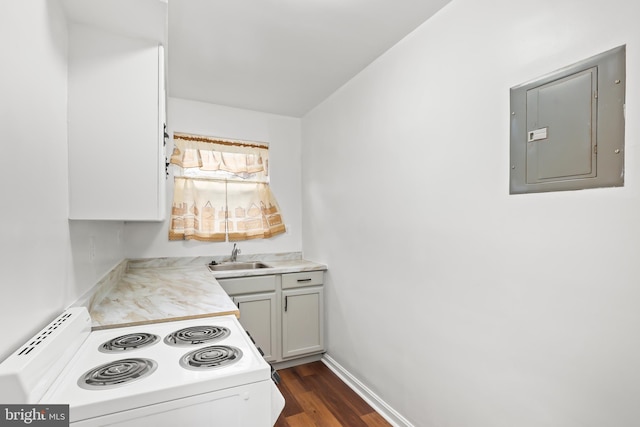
{"type": "Point", "coordinates": [203, 260]}
{"type": "Point", "coordinates": [97, 292]}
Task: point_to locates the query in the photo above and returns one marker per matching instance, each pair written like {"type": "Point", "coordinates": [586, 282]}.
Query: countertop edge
{"type": "Point", "coordinates": [165, 320]}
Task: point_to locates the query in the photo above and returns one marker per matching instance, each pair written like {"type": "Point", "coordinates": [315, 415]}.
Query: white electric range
{"type": "Point", "coordinates": [196, 372]}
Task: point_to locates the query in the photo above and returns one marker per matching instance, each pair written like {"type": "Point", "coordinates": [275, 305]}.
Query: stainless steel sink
{"type": "Point", "coordinates": [224, 266]}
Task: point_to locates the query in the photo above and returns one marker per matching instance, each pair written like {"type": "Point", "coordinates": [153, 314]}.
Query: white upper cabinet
{"type": "Point", "coordinates": [116, 107]}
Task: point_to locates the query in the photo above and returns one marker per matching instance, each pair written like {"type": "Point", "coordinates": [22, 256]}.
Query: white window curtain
{"type": "Point", "coordinates": [221, 190]}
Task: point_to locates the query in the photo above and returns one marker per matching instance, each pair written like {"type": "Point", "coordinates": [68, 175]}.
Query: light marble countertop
{"type": "Point", "coordinates": [143, 291]}
{"type": "Point", "coordinates": [149, 295]}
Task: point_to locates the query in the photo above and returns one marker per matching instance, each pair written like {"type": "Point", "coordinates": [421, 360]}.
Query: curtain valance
{"type": "Point", "coordinates": [220, 158]}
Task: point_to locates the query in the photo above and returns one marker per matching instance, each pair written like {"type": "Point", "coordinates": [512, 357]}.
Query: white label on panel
{"type": "Point", "coordinates": [537, 134]}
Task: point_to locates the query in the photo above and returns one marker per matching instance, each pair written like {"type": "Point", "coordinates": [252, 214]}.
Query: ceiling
{"type": "Point", "coordinates": [280, 56]}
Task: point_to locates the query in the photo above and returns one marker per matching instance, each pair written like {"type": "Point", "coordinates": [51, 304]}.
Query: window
{"type": "Point", "coordinates": [221, 190]}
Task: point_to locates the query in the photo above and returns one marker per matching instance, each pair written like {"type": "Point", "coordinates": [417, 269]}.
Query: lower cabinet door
{"type": "Point", "coordinates": [258, 317]}
{"type": "Point", "coordinates": [302, 321]}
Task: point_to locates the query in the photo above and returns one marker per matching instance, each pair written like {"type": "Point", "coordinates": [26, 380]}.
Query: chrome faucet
{"type": "Point", "coordinates": [234, 253]}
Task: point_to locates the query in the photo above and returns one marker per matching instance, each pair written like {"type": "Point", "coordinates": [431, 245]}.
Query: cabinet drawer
{"type": "Point", "coordinates": [298, 280]}
{"type": "Point", "coordinates": [248, 285]}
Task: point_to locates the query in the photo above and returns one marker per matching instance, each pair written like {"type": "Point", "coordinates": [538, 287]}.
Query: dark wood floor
{"type": "Point", "coordinates": [315, 396]}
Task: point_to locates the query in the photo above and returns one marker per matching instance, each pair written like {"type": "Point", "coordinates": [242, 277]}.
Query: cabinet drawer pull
{"type": "Point", "coordinates": [304, 280]}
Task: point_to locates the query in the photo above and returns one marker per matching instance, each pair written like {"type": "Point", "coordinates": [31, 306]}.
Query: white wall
{"type": "Point", "coordinates": [144, 240]}
{"type": "Point", "coordinates": [458, 304]}
{"type": "Point", "coordinates": [45, 264]}
{"type": "Point", "coordinates": [48, 262]}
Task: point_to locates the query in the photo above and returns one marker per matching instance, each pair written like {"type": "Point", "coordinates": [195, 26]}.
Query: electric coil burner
{"type": "Point", "coordinates": [129, 342]}
{"type": "Point", "coordinates": [205, 372]}
{"type": "Point", "coordinates": [215, 356]}
{"type": "Point", "coordinates": [117, 373]}
{"type": "Point", "coordinates": [197, 335]}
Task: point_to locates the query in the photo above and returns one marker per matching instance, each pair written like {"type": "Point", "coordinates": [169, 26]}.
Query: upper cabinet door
{"type": "Point", "coordinates": [116, 126]}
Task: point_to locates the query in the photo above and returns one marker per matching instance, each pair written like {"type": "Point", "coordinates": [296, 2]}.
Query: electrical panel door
{"type": "Point", "coordinates": [567, 128]}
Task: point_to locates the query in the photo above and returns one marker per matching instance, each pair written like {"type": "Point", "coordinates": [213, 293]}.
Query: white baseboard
{"type": "Point", "coordinates": [381, 407]}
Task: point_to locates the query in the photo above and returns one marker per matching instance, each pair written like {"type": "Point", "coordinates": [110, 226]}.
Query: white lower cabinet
{"type": "Point", "coordinates": [256, 299]}
{"type": "Point", "coordinates": [302, 318]}
{"type": "Point", "coordinates": [284, 314]}
{"type": "Point", "coordinates": [258, 317]}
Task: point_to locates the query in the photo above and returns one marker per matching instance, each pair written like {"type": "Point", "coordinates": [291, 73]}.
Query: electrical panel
{"type": "Point", "coordinates": [567, 128]}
